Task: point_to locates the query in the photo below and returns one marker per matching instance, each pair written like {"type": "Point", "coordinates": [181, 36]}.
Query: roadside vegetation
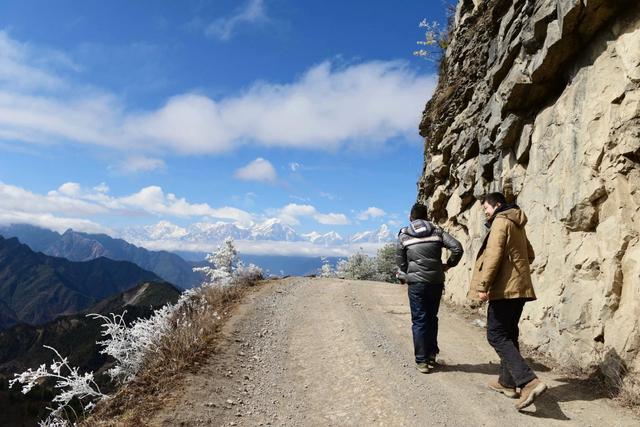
{"type": "Point", "coordinates": [147, 353]}
{"type": "Point", "coordinates": [361, 266]}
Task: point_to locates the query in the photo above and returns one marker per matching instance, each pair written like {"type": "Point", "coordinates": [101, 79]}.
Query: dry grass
{"type": "Point", "coordinates": [194, 334]}
{"type": "Point", "coordinates": [624, 388]}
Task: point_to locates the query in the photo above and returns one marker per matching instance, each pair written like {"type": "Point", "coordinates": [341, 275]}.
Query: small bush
{"type": "Point", "coordinates": [386, 263]}
{"type": "Point", "coordinates": [359, 266]}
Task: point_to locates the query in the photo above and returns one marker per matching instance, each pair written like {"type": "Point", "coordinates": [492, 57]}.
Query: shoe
{"type": "Point", "coordinates": [530, 392]}
{"type": "Point", "coordinates": [431, 362]}
{"type": "Point", "coordinates": [507, 391]}
{"type": "Point", "coordinates": [422, 367]}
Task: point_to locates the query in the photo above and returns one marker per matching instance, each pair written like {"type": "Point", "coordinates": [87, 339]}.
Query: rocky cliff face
{"type": "Point", "coordinates": [540, 99]}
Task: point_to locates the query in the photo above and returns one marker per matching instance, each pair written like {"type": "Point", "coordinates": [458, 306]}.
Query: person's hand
{"type": "Point", "coordinates": [483, 296]}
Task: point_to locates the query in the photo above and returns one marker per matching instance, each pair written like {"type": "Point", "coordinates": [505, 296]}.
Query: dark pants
{"type": "Point", "coordinates": [502, 333]}
{"type": "Point", "coordinates": [424, 300]}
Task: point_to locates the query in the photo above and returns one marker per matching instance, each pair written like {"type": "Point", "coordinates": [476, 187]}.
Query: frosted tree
{"type": "Point", "coordinates": [223, 262]}
{"type": "Point", "coordinates": [327, 269]}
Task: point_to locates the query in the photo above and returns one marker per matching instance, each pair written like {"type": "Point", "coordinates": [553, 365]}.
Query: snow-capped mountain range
{"type": "Point", "coordinates": [270, 230]}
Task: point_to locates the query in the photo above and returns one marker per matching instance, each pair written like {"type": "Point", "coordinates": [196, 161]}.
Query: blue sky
{"type": "Point", "coordinates": [121, 114]}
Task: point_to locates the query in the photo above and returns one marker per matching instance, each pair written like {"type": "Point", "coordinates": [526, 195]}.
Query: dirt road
{"type": "Point", "coordinates": [316, 352]}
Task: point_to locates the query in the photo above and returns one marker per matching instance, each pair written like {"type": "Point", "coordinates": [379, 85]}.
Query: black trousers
{"type": "Point", "coordinates": [424, 301]}
{"type": "Point", "coordinates": [503, 317]}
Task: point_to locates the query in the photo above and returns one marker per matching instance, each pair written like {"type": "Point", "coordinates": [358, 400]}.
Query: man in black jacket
{"type": "Point", "coordinates": [419, 260]}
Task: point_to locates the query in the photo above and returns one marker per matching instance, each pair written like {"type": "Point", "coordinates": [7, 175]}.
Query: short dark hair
{"type": "Point", "coordinates": [419, 211]}
{"type": "Point", "coordinates": [494, 198]}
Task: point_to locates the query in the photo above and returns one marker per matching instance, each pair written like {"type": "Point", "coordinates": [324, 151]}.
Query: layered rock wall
{"type": "Point", "coordinates": [540, 99]}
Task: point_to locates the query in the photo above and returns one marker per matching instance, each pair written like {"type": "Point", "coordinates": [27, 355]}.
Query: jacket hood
{"type": "Point", "coordinates": [515, 215]}
{"type": "Point", "coordinates": [420, 228]}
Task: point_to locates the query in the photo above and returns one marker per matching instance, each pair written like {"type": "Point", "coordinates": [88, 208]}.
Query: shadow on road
{"type": "Point", "coordinates": [547, 406]}
{"type": "Point", "coordinates": [486, 368]}
{"type": "Point", "coordinates": [572, 389]}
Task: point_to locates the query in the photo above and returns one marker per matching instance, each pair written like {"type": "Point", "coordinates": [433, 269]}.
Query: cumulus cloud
{"type": "Point", "coordinates": [13, 198]}
{"type": "Point", "coordinates": [225, 28]}
{"type": "Point", "coordinates": [291, 213]}
{"type": "Point", "coordinates": [327, 107]}
{"type": "Point", "coordinates": [258, 170]}
{"type": "Point", "coordinates": [371, 212]}
{"type": "Point", "coordinates": [332, 219]}
{"type": "Point", "coordinates": [71, 199]}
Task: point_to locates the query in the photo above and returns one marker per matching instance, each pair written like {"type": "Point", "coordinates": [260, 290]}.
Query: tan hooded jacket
{"type": "Point", "coordinates": [502, 266]}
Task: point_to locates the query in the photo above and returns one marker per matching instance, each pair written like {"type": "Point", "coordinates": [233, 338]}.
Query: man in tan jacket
{"type": "Point", "coordinates": [502, 276]}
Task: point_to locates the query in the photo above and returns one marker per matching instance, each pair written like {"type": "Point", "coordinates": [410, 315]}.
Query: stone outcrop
{"type": "Point", "coordinates": [540, 99]}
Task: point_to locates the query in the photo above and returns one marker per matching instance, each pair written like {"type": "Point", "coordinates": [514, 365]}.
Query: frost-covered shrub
{"type": "Point", "coordinates": [71, 384]}
{"type": "Point", "coordinates": [327, 269]}
{"type": "Point", "coordinates": [131, 345]}
{"type": "Point", "coordinates": [436, 39]}
{"type": "Point", "coordinates": [359, 266]}
{"type": "Point", "coordinates": [128, 345]}
{"type": "Point", "coordinates": [174, 335]}
{"type": "Point", "coordinates": [386, 263]}
{"type": "Point", "coordinates": [224, 262]}
{"type": "Point", "coordinates": [247, 275]}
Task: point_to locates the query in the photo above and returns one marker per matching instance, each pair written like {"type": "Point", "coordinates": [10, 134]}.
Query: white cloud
{"type": "Point", "coordinates": [153, 200]}
{"type": "Point", "coordinates": [327, 107]}
{"type": "Point", "coordinates": [332, 219]}
{"type": "Point", "coordinates": [135, 164]}
{"type": "Point", "coordinates": [290, 215]}
{"type": "Point", "coordinates": [13, 198]}
{"type": "Point", "coordinates": [258, 170]}
{"type": "Point", "coordinates": [52, 222]}
{"type": "Point", "coordinates": [225, 28]}
{"type": "Point", "coordinates": [19, 65]}
{"type": "Point", "coordinates": [265, 247]}
{"type": "Point", "coordinates": [235, 214]}
{"type": "Point", "coordinates": [371, 212]}
{"type": "Point", "coordinates": [101, 188]}
{"type": "Point", "coordinates": [69, 189]}
{"type": "Point", "coordinates": [71, 199]}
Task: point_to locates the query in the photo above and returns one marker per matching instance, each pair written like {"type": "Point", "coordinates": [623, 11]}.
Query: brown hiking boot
{"type": "Point", "coordinates": [507, 391]}
{"type": "Point", "coordinates": [530, 392]}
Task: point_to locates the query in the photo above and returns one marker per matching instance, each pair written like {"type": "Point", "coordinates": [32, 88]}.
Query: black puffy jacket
{"type": "Point", "coordinates": [419, 252]}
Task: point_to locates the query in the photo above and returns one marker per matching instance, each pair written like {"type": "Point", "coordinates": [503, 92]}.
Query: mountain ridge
{"type": "Point", "coordinates": [79, 246]}
{"type": "Point", "coordinates": [36, 287]}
